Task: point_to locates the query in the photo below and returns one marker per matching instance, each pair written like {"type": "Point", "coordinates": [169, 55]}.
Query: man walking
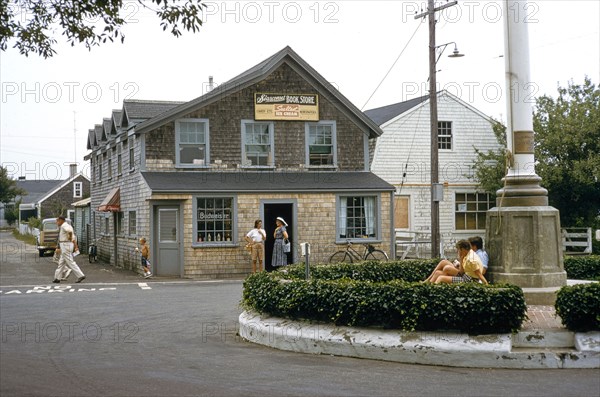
{"type": "Point", "coordinates": [67, 243]}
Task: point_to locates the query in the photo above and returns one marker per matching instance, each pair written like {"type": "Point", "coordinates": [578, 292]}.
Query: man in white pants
{"type": "Point", "coordinates": [66, 241]}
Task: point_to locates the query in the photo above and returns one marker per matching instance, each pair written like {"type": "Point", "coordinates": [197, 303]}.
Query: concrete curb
{"type": "Point", "coordinates": [429, 348]}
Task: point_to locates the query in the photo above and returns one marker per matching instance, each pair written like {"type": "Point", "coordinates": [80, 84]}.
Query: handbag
{"type": "Point", "coordinates": [287, 246]}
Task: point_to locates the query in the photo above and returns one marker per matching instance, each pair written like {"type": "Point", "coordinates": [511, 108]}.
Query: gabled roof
{"type": "Point", "coordinates": [60, 186]}
{"type": "Point", "coordinates": [256, 74]}
{"type": "Point", "coordinates": [386, 113]}
{"type": "Point", "coordinates": [107, 125]}
{"type": "Point", "coordinates": [248, 181]}
{"type": "Point", "coordinates": [36, 189]}
{"type": "Point", "coordinates": [136, 109]}
{"type": "Point", "coordinates": [116, 118]}
{"type": "Point", "coordinates": [99, 132]}
{"type": "Point", "coordinates": [91, 142]}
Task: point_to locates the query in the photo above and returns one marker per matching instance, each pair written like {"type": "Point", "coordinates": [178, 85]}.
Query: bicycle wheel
{"type": "Point", "coordinates": [377, 255]}
{"type": "Point", "coordinates": [340, 257]}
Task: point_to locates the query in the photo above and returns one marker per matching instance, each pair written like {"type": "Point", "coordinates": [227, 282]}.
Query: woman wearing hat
{"type": "Point", "coordinates": [279, 257]}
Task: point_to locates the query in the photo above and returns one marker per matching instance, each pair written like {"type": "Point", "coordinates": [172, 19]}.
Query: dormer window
{"type": "Point", "coordinates": [192, 142]}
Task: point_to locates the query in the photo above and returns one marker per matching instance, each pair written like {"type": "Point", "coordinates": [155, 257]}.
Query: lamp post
{"type": "Point", "coordinates": [436, 187]}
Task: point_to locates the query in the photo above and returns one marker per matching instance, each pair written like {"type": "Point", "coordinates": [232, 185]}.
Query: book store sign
{"type": "Point", "coordinates": [286, 107]}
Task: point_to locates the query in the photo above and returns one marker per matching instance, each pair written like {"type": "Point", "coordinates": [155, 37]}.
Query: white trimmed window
{"type": "Point", "coordinates": [131, 153]}
{"type": "Point", "coordinates": [470, 210]}
{"type": "Point", "coordinates": [192, 143]}
{"type": "Point", "coordinates": [321, 144]}
{"type": "Point", "coordinates": [358, 218]}
{"type": "Point", "coordinates": [213, 220]}
{"type": "Point", "coordinates": [258, 149]}
{"type": "Point", "coordinates": [132, 223]}
{"type": "Point", "coordinates": [77, 189]}
{"type": "Point", "coordinates": [445, 135]}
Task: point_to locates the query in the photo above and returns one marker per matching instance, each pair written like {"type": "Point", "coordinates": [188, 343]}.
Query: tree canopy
{"type": "Point", "coordinates": [8, 187]}
{"type": "Point", "coordinates": [34, 24]}
{"type": "Point", "coordinates": [567, 153]}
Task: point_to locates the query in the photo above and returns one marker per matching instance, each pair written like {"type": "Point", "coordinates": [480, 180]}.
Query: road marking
{"type": "Point", "coordinates": [144, 286]}
{"type": "Point", "coordinates": [181, 282]}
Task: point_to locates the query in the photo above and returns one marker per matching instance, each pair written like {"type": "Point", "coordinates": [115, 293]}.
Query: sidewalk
{"type": "Point", "coordinates": [542, 317]}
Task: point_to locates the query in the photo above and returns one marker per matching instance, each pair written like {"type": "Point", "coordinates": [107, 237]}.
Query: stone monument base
{"type": "Point", "coordinates": [525, 246]}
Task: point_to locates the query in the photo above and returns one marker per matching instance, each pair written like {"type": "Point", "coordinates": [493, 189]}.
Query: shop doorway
{"type": "Point", "coordinates": [270, 211]}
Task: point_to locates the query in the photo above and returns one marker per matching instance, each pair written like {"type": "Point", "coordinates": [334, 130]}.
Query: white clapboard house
{"type": "Point", "coordinates": [401, 157]}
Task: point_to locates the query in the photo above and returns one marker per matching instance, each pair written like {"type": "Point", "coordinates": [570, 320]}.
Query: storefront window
{"type": "Point", "coordinates": [214, 220]}
{"type": "Point", "coordinates": [357, 217]}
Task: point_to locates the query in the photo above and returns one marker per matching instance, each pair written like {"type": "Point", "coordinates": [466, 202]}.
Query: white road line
{"type": "Point", "coordinates": [144, 286]}
{"type": "Point", "coordinates": [136, 283]}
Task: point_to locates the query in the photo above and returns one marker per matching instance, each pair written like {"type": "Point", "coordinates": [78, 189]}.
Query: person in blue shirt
{"type": "Point", "coordinates": [477, 246]}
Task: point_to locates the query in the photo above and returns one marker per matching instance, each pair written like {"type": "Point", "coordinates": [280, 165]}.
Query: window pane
{"type": "Point", "coordinates": [214, 219]}
{"type": "Point", "coordinates": [360, 218]}
{"type": "Point", "coordinates": [459, 219]}
{"type": "Point", "coordinates": [187, 154]}
{"type": "Point", "coordinates": [471, 220]}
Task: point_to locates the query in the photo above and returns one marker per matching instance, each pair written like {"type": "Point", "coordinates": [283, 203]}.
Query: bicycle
{"type": "Point", "coordinates": [350, 255]}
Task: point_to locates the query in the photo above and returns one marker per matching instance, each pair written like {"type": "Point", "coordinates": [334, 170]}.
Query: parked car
{"type": "Point", "coordinates": [48, 238]}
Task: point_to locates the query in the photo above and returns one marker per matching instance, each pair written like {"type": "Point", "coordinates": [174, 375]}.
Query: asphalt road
{"type": "Point", "coordinates": [121, 335]}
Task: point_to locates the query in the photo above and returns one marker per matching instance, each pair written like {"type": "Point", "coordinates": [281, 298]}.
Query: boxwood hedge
{"type": "Point", "coordinates": [579, 306]}
{"type": "Point", "coordinates": [583, 267]}
{"type": "Point", "coordinates": [385, 294]}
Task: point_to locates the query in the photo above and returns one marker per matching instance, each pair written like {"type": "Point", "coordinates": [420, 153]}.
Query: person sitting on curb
{"type": "Point", "coordinates": [470, 263]}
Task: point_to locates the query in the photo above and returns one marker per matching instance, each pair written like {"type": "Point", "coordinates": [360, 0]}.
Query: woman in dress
{"type": "Point", "coordinates": [279, 257]}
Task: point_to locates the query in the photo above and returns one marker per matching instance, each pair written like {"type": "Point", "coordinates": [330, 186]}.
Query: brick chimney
{"type": "Point", "coordinates": [72, 170]}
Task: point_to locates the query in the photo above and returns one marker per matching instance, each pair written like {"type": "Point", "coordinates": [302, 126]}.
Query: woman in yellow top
{"type": "Point", "coordinates": [471, 267]}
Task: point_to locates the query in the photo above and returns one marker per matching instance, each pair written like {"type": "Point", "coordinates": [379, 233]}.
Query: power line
{"type": "Point", "coordinates": [394, 64]}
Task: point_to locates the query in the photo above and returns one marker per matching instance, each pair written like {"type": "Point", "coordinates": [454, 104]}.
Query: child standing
{"type": "Point", "coordinates": [145, 255]}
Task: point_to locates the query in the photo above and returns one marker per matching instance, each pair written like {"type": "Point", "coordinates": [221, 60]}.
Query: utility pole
{"type": "Point", "coordinates": [436, 190]}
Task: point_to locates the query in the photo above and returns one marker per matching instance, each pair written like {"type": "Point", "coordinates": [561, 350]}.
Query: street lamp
{"type": "Point", "coordinates": [436, 187]}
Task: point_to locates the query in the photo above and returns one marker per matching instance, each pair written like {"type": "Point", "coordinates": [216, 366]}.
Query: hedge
{"type": "Point", "coordinates": [579, 306]}
{"type": "Point", "coordinates": [397, 303]}
{"type": "Point", "coordinates": [583, 267]}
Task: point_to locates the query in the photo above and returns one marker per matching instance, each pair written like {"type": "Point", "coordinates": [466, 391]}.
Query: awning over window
{"type": "Point", "coordinates": [112, 202]}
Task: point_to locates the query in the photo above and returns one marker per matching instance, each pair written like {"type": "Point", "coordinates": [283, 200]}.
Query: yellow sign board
{"type": "Point", "coordinates": [286, 107]}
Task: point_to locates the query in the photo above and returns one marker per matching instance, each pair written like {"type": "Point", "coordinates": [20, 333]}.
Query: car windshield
{"type": "Point", "coordinates": [50, 226]}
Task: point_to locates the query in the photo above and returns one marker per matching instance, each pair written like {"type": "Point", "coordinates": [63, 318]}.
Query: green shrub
{"type": "Point", "coordinates": [34, 222]}
{"type": "Point", "coordinates": [584, 267]}
{"type": "Point", "coordinates": [372, 299]}
{"type": "Point", "coordinates": [579, 306]}
{"type": "Point", "coordinates": [407, 270]}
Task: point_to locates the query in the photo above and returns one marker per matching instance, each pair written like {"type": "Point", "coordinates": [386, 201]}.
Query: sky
{"type": "Point", "coordinates": [47, 106]}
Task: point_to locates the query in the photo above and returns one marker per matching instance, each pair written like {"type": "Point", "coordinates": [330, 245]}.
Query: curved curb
{"type": "Point", "coordinates": [429, 348]}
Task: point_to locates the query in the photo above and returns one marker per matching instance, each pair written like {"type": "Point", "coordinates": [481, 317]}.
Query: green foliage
{"type": "Point", "coordinates": [8, 187]}
{"type": "Point", "coordinates": [490, 167]}
{"type": "Point", "coordinates": [567, 153]}
{"type": "Point", "coordinates": [11, 213]}
{"type": "Point", "coordinates": [583, 267]}
{"type": "Point", "coordinates": [567, 150]}
{"type": "Point", "coordinates": [407, 270]}
{"type": "Point", "coordinates": [579, 306]}
{"type": "Point", "coordinates": [34, 222]}
{"type": "Point", "coordinates": [34, 23]}
{"type": "Point", "coordinates": [355, 295]}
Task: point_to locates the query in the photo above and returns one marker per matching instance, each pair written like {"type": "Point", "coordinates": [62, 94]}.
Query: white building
{"type": "Point", "coordinates": [402, 158]}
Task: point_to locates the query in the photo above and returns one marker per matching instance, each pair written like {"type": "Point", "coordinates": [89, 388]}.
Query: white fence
{"type": "Point", "coordinates": [26, 229]}
{"type": "Point", "coordinates": [577, 240]}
